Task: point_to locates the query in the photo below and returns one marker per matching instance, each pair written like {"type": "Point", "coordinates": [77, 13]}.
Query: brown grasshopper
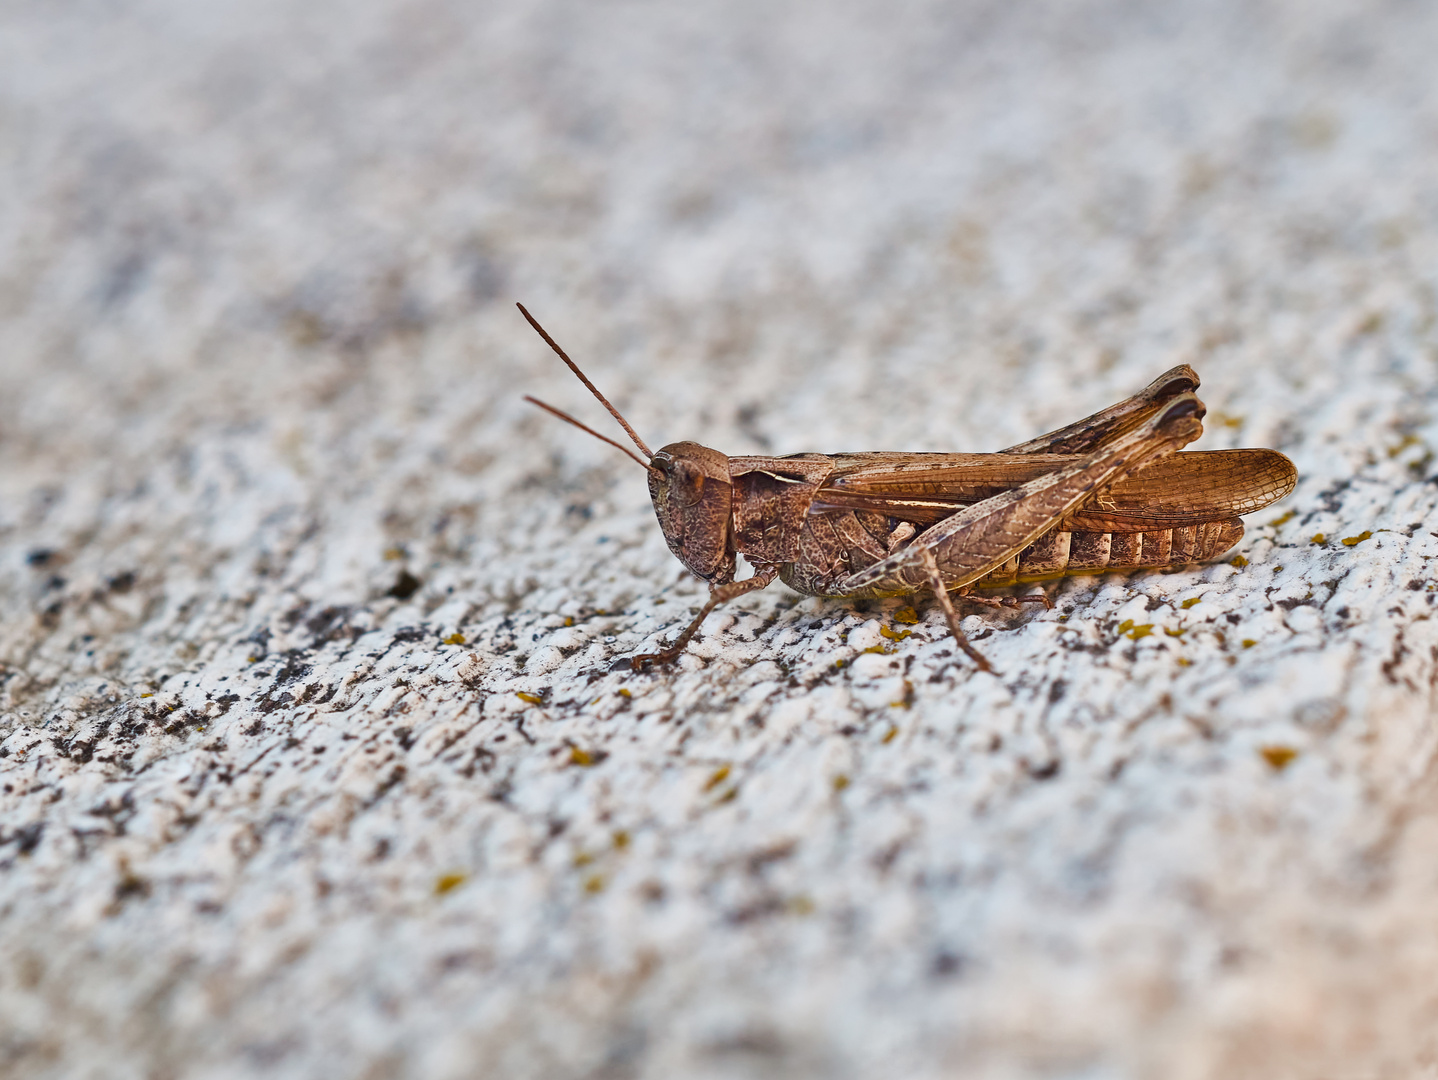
{"type": "Point", "coordinates": [1110, 492]}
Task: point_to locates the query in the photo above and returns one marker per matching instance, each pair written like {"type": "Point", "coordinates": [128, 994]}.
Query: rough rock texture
{"type": "Point", "coordinates": [310, 761]}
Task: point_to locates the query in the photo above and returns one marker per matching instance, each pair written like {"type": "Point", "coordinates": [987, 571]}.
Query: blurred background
{"type": "Point", "coordinates": [258, 354]}
{"type": "Point", "coordinates": [233, 214]}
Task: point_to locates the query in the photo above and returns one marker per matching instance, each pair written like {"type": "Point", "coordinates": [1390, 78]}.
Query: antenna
{"type": "Point", "coordinates": [592, 389]}
{"type": "Point", "coordinates": [583, 427]}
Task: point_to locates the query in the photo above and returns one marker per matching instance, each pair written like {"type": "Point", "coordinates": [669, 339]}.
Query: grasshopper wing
{"type": "Point", "coordinates": [972, 541]}
{"type": "Point", "coordinates": [1180, 489]}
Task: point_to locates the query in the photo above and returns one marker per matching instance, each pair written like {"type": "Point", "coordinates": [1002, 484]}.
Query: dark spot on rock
{"type": "Point", "coordinates": [762, 908]}
{"type": "Point", "coordinates": [187, 719]}
{"type": "Point", "coordinates": [1057, 691]}
{"type": "Point", "coordinates": [329, 624]}
{"type": "Point", "coordinates": [292, 669]}
{"type": "Point", "coordinates": [406, 634]}
{"type": "Point", "coordinates": [26, 838]}
{"type": "Point", "coordinates": [129, 886]}
{"type": "Point", "coordinates": [261, 640]}
{"type": "Point", "coordinates": [946, 965]}
{"type": "Point", "coordinates": [270, 704]}
{"type": "Point", "coordinates": [1416, 585]}
{"type": "Point", "coordinates": [1234, 618]}
{"type": "Point", "coordinates": [405, 586]}
{"type": "Point", "coordinates": [394, 779]}
{"type": "Point", "coordinates": [253, 729]}
{"type": "Point", "coordinates": [123, 582]}
{"type": "Point", "coordinates": [403, 737]}
{"type": "Point", "coordinates": [224, 701]}
{"type": "Point", "coordinates": [55, 583]}
{"type": "Point", "coordinates": [40, 558]}
{"type": "Point", "coordinates": [1045, 771]}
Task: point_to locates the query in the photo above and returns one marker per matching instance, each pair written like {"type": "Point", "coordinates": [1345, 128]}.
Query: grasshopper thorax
{"type": "Point", "coordinates": [692, 496]}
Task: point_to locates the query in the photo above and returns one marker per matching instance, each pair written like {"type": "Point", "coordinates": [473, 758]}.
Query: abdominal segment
{"type": "Point", "coordinates": [1059, 553]}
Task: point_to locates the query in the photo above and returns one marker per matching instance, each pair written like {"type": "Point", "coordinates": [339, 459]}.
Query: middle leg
{"type": "Point", "coordinates": [1010, 602]}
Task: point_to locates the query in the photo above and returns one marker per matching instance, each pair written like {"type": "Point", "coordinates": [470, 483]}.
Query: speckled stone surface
{"type": "Point", "coordinates": [310, 761]}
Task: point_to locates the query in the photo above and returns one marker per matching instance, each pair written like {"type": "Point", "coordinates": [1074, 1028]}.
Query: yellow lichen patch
{"type": "Point", "coordinates": [594, 883]}
{"type": "Point", "coordinates": [1175, 633]}
{"type": "Point", "coordinates": [906, 615]}
{"type": "Point", "coordinates": [891, 734]}
{"type": "Point", "coordinates": [455, 639]}
{"type": "Point", "coordinates": [582, 859]}
{"type": "Point", "coordinates": [1248, 643]}
{"type": "Point", "coordinates": [1238, 561]}
{"type": "Point", "coordinates": [720, 775]}
{"type": "Point", "coordinates": [1279, 757]}
{"type": "Point", "coordinates": [393, 554]}
{"type": "Point", "coordinates": [1282, 519]}
{"type": "Point", "coordinates": [532, 699]}
{"type": "Point", "coordinates": [1408, 440]}
{"type": "Point", "coordinates": [1225, 419]}
{"type": "Point", "coordinates": [1350, 541]}
{"type": "Point", "coordinates": [1184, 661]}
{"type": "Point", "coordinates": [882, 650]}
{"type": "Point", "coordinates": [729, 796]}
{"type": "Point", "coordinates": [894, 635]}
{"type": "Point", "coordinates": [1190, 602]}
{"type": "Point", "coordinates": [580, 757]}
{"type": "Point", "coordinates": [838, 663]}
{"type": "Point", "coordinates": [622, 692]}
{"type": "Point", "coordinates": [147, 695]}
{"type": "Point", "coordinates": [448, 883]}
{"type": "Point", "coordinates": [841, 782]}
{"type": "Point", "coordinates": [569, 620]}
{"type": "Point", "coordinates": [621, 839]}
{"type": "Point", "coordinates": [1134, 631]}
{"type": "Point", "coordinates": [1319, 538]}
{"type": "Point", "coordinates": [800, 905]}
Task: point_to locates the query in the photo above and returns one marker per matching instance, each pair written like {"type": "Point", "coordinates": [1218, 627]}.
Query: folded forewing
{"type": "Point", "coordinates": [1183, 488]}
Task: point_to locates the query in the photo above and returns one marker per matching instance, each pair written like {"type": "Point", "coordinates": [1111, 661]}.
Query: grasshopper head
{"type": "Point", "coordinates": [690, 487]}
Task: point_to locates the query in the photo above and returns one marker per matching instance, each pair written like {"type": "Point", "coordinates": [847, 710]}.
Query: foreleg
{"type": "Point", "coordinates": [718, 594]}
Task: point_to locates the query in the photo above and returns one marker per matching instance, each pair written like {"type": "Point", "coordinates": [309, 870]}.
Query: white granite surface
{"type": "Point", "coordinates": [259, 366]}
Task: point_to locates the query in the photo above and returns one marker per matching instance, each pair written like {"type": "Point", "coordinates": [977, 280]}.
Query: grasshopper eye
{"type": "Point", "coordinates": [687, 483]}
